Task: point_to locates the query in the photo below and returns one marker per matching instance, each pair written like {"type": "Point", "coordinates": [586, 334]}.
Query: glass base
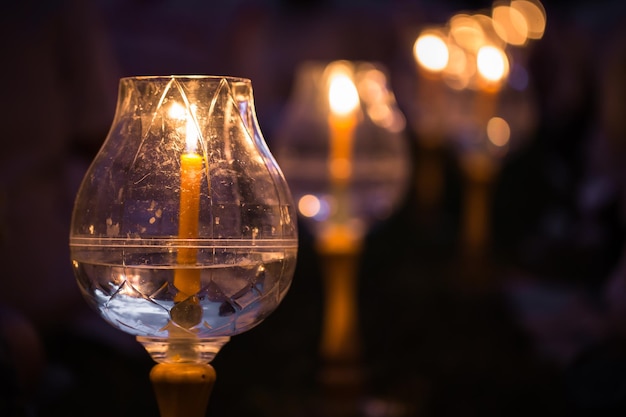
{"type": "Point", "coordinates": [183, 349]}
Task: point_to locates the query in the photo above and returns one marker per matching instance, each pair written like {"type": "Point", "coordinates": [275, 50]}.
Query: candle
{"type": "Point", "coordinates": [343, 99]}
{"type": "Point", "coordinates": [187, 280]}
{"type": "Point", "coordinates": [432, 53]}
{"type": "Point", "coordinates": [339, 243]}
{"type": "Point", "coordinates": [493, 67]}
{"type": "Point", "coordinates": [480, 167]}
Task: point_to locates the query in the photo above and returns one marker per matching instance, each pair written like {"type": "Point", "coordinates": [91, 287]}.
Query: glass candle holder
{"type": "Point", "coordinates": [343, 146]}
{"type": "Point", "coordinates": [344, 150]}
{"type": "Point", "coordinates": [184, 232]}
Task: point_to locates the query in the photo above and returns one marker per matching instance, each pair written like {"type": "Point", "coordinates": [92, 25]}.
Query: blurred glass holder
{"type": "Point", "coordinates": [343, 147]}
{"type": "Point", "coordinates": [474, 93]}
{"type": "Point", "coordinates": [487, 124]}
{"type": "Point", "coordinates": [428, 121]}
{"type": "Point", "coordinates": [183, 231]}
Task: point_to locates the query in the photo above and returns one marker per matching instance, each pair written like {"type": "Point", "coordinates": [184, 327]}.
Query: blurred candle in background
{"type": "Point", "coordinates": [343, 99]}
{"type": "Point", "coordinates": [343, 148]}
{"type": "Point", "coordinates": [469, 98]}
{"type": "Point", "coordinates": [432, 57]}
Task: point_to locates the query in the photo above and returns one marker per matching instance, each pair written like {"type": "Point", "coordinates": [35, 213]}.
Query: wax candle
{"type": "Point", "coordinates": [187, 279]}
{"type": "Point", "coordinates": [341, 134]}
{"type": "Point", "coordinates": [493, 68]}
{"type": "Point", "coordinates": [343, 99]}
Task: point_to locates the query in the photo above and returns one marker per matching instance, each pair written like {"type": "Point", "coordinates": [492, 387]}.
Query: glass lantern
{"type": "Point", "coordinates": [183, 231]}
{"type": "Point", "coordinates": [343, 146]}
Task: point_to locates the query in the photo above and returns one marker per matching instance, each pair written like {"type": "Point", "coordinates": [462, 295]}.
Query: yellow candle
{"type": "Point", "coordinates": [343, 100]}
{"type": "Point", "coordinates": [341, 133]}
{"type": "Point", "coordinates": [493, 67]}
{"type": "Point", "coordinates": [187, 279]}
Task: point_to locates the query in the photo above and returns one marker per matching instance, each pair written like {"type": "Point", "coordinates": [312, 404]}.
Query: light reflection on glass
{"type": "Point", "coordinates": [534, 14]}
{"type": "Point", "coordinates": [498, 131]}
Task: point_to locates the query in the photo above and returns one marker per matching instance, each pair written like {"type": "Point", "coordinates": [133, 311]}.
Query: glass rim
{"type": "Point", "coordinates": [230, 78]}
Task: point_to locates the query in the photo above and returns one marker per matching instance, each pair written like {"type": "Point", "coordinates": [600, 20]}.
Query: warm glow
{"type": "Point", "coordinates": [340, 168]}
{"type": "Point", "coordinates": [534, 15]}
{"type": "Point", "coordinates": [343, 97]}
{"type": "Point", "coordinates": [431, 52]}
{"type": "Point", "coordinates": [460, 68]}
{"type": "Point", "coordinates": [191, 132]}
{"type": "Point", "coordinates": [378, 101]}
{"type": "Point", "coordinates": [492, 63]}
{"type": "Point", "coordinates": [487, 25]}
{"type": "Point", "coordinates": [498, 131]}
{"type": "Point", "coordinates": [510, 25]}
{"type": "Point", "coordinates": [177, 112]}
{"type": "Point", "coordinates": [467, 32]}
{"type": "Point", "coordinates": [309, 205]}
{"type": "Point", "coordinates": [372, 86]}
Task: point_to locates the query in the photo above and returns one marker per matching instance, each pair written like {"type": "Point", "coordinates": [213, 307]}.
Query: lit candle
{"type": "Point", "coordinates": [343, 99]}
{"type": "Point", "coordinates": [187, 280]}
{"type": "Point", "coordinates": [339, 243]}
{"type": "Point", "coordinates": [480, 168]}
{"type": "Point", "coordinates": [432, 53]}
{"type": "Point", "coordinates": [493, 67]}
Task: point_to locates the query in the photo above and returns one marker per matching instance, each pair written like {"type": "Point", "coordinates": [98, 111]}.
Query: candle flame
{"type": "Point", "coordinates": [431, 52]}
{"type": "Point", "coordinates": [343, 97]}
{"type": "Point", "coordinates": [179, 112]}
{"type": "Point", "coordinates": [492, 63]}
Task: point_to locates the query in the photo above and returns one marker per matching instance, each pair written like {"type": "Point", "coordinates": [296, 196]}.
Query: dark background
{"type": "Point", "coordinates": [544, 338]}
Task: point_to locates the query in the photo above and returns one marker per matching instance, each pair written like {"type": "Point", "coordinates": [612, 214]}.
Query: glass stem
{"type": "Point", "coordinates": [339, 338]}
